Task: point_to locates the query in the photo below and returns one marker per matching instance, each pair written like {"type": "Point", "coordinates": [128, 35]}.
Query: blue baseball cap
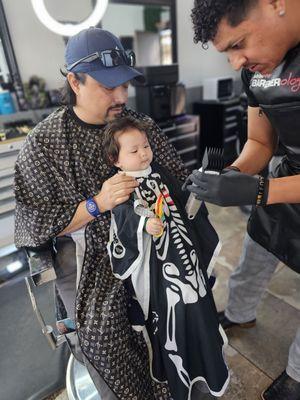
{"type": "Point", "coordinates": [93, 40]}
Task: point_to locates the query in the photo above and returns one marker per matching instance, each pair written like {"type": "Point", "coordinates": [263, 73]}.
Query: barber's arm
{"type": "Point", "coordinates": [260, 146]}
{"type": "Point", "coordinates": [284, 190]}
{"type": "Point", "coordinates": [114, 191]}
{"type": "Point", "coordinates": [256, 154]}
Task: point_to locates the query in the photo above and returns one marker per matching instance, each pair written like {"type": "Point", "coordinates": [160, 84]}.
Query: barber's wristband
{"type": "Point", "coordinates": [92, 207]}
{"type": "Point", "coordinates": [263, 191]}
{"type": "Point", "coordinates": [233, 168]}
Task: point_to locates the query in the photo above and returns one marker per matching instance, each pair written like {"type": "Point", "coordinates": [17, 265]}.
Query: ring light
{"type": "Point", "coordinates": [67, 29]}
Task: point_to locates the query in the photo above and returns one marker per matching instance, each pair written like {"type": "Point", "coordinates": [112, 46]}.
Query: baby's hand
{"type": "Point", "coordinates": [154, 226]}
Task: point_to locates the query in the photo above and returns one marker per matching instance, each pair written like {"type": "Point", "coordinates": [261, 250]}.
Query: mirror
{"type": "Point", "coordinates": [9, 73]}
{"type": "Point", "coordinates": [147, 26]}
{"type": "Point", "coordinates": [147, 30]}
{"type": "Point", "coordinates": [4, 71]}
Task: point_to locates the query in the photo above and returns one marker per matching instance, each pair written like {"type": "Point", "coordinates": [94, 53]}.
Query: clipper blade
{"type": "Point", "coordinates": [215, 159]}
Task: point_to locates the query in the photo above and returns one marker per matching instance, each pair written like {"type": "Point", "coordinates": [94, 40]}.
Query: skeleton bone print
{"type": "Point", "coordinates": [172, 289]}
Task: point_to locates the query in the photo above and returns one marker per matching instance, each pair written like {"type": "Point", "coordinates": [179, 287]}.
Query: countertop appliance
{"type": "Point", "coordinates": [160, 96]}
{"type": "Point", "coordinates": [218, 88]}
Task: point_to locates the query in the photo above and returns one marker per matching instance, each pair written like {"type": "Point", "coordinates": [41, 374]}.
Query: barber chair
{"type": "Point", "coordinates": [29, 368]}
{"type": "Point", "coordinates": [56, 262]}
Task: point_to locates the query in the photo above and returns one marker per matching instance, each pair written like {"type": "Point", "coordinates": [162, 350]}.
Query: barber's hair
{"type": "Point", "coordinates": [207, 14]}
{"type": "Point", "coordinates": [67, 95]}
{"type": "Point", "coordinates": [111, 144]}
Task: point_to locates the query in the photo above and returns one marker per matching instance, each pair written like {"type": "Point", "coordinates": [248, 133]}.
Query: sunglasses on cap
{"type": "Point", "coordinates": [108, 58]}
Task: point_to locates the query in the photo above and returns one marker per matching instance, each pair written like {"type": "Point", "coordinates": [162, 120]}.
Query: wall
{"type": "Point", "coordinates": [114, 19]}
{"type": "Point", "coordinates": [39, 51]}
{"type": "Point", "coordinates": [196, 64]}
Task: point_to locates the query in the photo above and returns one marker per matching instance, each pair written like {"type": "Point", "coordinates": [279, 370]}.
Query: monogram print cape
{"type": "Point", "coordinates": [61, 164]}
{"type": "Point", "coordinates": [167, 277]}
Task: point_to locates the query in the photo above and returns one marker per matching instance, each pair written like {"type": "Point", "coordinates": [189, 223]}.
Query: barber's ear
{"type": "Point", "coordinates": [117, 164]}
{"type": "Point", "coordinates": [278, 5]}
{"type": "Point", "coordinates": [73, 82]}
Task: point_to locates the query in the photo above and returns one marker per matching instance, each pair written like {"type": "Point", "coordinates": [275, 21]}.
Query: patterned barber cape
{"type": "Point", "coordinates": [171, 303]}
{"type": "Point", "coordinates": [61, 164]}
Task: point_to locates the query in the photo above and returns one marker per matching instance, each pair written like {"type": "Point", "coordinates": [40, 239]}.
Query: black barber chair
{"type": "Point", "coordinates": [58, 263]}
{"type": "Point", "coordinates": [29, 368]}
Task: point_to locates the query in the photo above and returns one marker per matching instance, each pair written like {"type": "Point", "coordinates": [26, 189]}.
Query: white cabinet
{"type": "Point", "coordinates": [8, 154]}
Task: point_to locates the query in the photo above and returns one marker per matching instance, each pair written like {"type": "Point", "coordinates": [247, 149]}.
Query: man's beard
{"type": "Point", "coordinates": [109, 118]}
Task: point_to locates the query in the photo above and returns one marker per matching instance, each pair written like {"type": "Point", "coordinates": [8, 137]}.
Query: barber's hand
{"type": "Point", "coordinates": [230, 188]}
{"type": "Point", "coordinates": [114, 191]}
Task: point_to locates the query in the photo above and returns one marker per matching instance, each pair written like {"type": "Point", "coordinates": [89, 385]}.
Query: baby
{"type": "Point", "coordinates": [134, 159]}
{"type": "Point", "coordinates": [162, 258]}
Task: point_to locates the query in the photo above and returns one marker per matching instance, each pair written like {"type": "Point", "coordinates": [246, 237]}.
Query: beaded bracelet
{"type": "Point", "coordinates": [263, 191]}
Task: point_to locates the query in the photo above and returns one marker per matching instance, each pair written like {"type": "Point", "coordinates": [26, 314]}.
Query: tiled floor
{"type": "Point", "coordinates": [61, 395]}
{"type": "Point", "coordinates": [258, 355]}
{"type": "Point", "coordinates": [255, 356]}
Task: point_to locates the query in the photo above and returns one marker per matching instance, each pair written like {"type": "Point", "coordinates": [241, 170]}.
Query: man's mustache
{"type": "Point", "coordinates": [117, 106]}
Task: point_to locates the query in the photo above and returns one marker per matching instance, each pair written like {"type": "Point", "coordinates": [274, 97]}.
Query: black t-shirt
{"type": "Point", "coordinates": [246, 76]}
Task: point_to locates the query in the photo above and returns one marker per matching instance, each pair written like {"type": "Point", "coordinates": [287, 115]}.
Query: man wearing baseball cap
{"type": "Point", "coordinates": [63, 184]}
{"type": "Point", "coordinates": [97, 57]}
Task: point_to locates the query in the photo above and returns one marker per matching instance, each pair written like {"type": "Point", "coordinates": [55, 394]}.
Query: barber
{"type": "Point", "coordinates": [261, 37]}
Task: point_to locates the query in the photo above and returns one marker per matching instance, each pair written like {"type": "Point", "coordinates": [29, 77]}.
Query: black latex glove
{"type": "Point", "coordinates": [230, 188]}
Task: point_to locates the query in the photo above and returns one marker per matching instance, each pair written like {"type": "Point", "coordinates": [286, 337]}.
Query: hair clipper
{"type": "Point", "coordinates": [212, 163]}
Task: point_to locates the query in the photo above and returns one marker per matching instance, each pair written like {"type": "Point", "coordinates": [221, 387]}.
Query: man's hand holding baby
{"type": "Point", "coordinates": [114, 191]}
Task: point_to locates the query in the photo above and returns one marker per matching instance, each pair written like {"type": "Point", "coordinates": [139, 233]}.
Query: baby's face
{"type": "Point", "coordinates": [135, 152]}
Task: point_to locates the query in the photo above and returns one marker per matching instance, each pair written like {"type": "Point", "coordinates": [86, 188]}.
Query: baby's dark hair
{"type": "Point", "coordinates": [207, 14]}
{"type": "Point", "coordinates": [111, 144]}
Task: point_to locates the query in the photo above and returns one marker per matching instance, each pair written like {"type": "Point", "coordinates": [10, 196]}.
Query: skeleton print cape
{"type": "Point", "coordinates": [167, 277]}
